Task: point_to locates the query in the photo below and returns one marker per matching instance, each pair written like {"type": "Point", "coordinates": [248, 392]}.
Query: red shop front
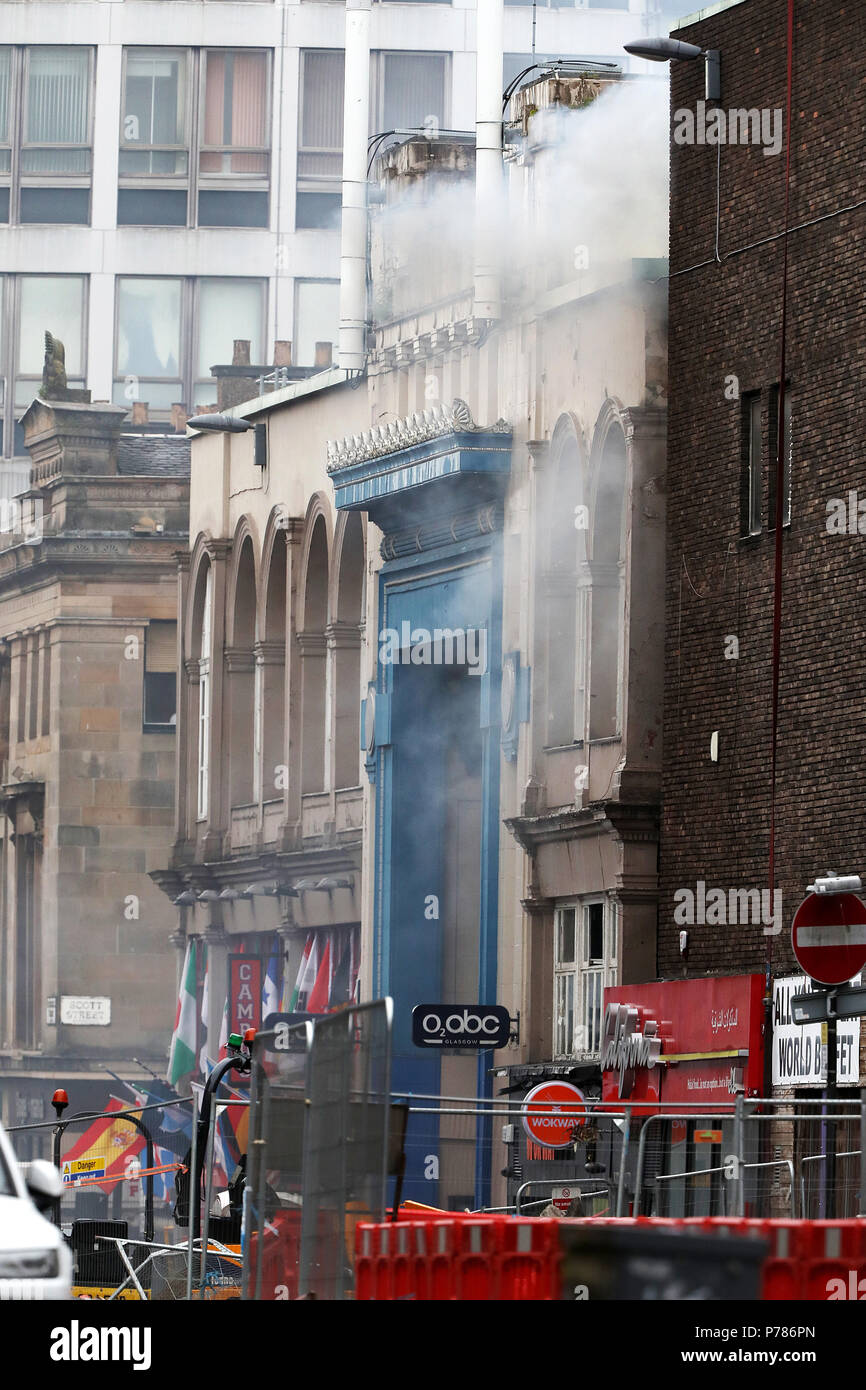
{"type": "Point", "coordinates": [679, 1053]}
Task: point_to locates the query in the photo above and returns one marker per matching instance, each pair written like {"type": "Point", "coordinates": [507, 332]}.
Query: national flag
{"type": "Point", "coordinates": [317, 1002]}
{"type": "Point", "coordinates": [204, 1064]}
{"type": "Point", "coordinates": [270, 990]}
{"type": "Point", "coordinates": [101, 1154]}
{"type": "Point", "coordinates": [182, 1057]}
{"type": "Point", "coordinates": [224, 1032]}
{"type": "Point", "coordinates": [306, 974]}
{"type": "Point", "coordinates": [340, 991]}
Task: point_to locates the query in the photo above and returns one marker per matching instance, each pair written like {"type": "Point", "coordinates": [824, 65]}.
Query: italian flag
{"type": "Point", "coordinates": [182, 1057]}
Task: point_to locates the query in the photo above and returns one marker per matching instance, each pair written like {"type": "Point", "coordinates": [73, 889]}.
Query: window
{"type": "Point", "coordinates": [317, 321]}
{"type": "Point", "coordinates": [160, 663]}
{"type": "Point", "coordinates": [406, 90]}
{"type": "Point", "coordinates": [773, 421]}
{"type": "Point", "coordinates": [752, 474]}
{"type": "Point", "coordinates": [162, 181]}
{"type": "Point", "coordinates": [752, 461]}
{"type": "Point", "coordinates": [320, 138]}
{"type": "Point", "coordinates": [584, 963]}
{"type": "Point", "coordinates": [170, 332]}
{"type": "Point", "coordinates": [31, 304]}
{"type": "Point", "coordinates": [204, 697]}
{"type": "Point", "coordinates": [45, 134]}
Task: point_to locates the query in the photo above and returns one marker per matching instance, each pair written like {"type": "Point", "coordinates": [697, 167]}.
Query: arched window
{"type": "Point", "coordinates": [312, 643]}
{"type": "Point", "coordinates": [240, 670]}
{"type": "Point", "coordinates": [607, 575]}
{"type": "Point", "coordinates": [271, 661]}
{"type": "Point", "coordinates": [564, 555]}
{"type": "Point", "coordinates": [345, 637]}
{"type": "Point", "coordinates": [201, 629]}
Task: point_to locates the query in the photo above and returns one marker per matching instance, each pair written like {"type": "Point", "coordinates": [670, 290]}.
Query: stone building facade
{"type": "Point", "coordinates": [88, 621]}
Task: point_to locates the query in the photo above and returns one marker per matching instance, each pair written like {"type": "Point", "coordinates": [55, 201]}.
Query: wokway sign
{"type": "Point", "coordinates": [553, 1114]}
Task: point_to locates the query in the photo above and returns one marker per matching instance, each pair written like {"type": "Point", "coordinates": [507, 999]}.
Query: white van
{"type": "Point", "coordinates": [35, 1261]}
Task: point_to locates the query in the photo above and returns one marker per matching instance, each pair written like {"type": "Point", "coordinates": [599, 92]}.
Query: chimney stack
{"type": "Point", "coordinates": [282, 353]}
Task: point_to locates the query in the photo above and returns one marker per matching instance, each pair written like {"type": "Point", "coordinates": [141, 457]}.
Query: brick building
{"type": "Point", "coordinates": [88, 584]}
{"type": "Point", "coordinates": [725, 343]}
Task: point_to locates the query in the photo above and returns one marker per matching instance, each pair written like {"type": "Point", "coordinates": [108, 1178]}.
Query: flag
{"type": "Point", "coordinates": [103, 1150]}
{"type": "Point", "coordinates": [306, 973]}
{"type": "Point", "coordinates": [204, 1064]}
{"type": "Point", "coordinates": [182, 1057]}
{"type": "Point", "coordinates": [270, 991]}
{"type": "Point", "coordinates": [317, 1002]}
{"type": "Point", "coordinates": [340, 991]}
{"type": "Point", "coordinates": [224, 1033]}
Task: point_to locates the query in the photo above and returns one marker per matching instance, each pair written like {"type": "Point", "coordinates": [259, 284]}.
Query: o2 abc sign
{"type": "Point", "coordinates": [460, 1025]}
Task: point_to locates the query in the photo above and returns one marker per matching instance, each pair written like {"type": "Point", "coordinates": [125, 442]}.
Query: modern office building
{"type": "Point", "coordinates": [170, 175]}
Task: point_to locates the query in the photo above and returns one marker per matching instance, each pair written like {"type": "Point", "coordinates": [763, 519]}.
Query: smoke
{"type": "Point", "coordinates": [589, 195]}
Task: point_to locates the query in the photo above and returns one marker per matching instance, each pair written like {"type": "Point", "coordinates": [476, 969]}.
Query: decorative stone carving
{"type": "Point", "coordinates": [416, 428]}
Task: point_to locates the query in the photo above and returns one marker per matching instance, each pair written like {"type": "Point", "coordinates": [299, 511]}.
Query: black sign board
{"type": "Point", "coordinates": [838, 1003]}
{"type": "Point", "coordinates": [460, 1025]}
{"type": "Point", "coordinates": [288, 1037]}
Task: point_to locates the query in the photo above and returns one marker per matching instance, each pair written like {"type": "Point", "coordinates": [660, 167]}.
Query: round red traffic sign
{"type": "Point", "coordinates": [828, 935]}
{"type": "Point", "coordinates": [551, 1111]}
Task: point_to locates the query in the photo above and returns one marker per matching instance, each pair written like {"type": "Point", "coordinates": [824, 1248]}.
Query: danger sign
{"type": "Point", "coordinates": [76, 1168]}
{"type": "Point", "coordinates": [552, 1111]}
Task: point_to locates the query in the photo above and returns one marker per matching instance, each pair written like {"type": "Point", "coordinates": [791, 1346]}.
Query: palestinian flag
{"type": "Point", "coordinates": [182, 1059]}
{"type": "Point", "coordinates": [306, 975]}
{"type": "Point", "coordinates": [100, 1156]}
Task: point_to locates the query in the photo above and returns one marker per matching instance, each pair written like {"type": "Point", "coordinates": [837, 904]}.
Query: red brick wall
{"type": "Point", "coordinates": [725, 321]}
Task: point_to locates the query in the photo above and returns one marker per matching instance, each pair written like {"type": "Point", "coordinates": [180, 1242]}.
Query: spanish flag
{"type": "Point", "coordinates": [100, 1157]}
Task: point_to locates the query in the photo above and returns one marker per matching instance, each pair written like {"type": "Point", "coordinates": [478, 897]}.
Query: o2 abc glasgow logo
{"type": "Point", "coordinates": [460, 1025]}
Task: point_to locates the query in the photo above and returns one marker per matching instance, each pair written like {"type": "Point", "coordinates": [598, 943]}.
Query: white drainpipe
{"type": "Point", "coordinates": [488, 157]}
{"type": "Point", "coordinates": [353, 241]}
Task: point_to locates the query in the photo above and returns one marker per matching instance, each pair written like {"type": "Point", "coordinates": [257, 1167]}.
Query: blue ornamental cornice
{"type": "Point", "coordinates": [390, 468]}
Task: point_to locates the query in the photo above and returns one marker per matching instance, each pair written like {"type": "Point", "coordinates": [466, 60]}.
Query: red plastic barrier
{"type": "Point", "coordinates": [479, 1260]}
{"type": "Point", "coordinates": [530, 1259]}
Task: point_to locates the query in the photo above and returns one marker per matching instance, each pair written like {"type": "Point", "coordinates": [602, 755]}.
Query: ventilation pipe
{"type": "Point", "coordinates": [488, 158]}
{"type": "Point", "coordinates": [353, 240]}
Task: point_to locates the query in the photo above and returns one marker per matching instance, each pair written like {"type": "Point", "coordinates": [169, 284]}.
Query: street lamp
{"type": "Point", "coordinates": [233, 424]}
{"type": "Point", "coordinates": [674, 50]}
{"type": "Point", "coordinates": [834, 883]}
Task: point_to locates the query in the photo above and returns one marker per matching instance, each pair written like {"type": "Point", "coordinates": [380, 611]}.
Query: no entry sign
{"type": "Point", "coordinates": [828, 935]}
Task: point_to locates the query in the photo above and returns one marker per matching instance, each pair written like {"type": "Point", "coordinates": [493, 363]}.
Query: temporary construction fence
{"type": "Point", "coordinates": [321, 1127]}
{"type": "Point", "coordinates": [767, 1158]}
